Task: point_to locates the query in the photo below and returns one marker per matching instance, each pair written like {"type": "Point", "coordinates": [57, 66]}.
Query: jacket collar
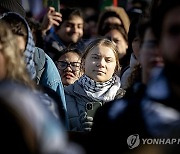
{"type": "Point", "coordinates": [75, 89]}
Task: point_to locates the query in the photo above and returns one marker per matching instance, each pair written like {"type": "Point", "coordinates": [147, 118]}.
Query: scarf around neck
{"type": "Point", "coordinates": [100, 91]}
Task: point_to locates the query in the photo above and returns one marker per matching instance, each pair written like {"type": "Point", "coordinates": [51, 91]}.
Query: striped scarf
{"type": "Point", "coordinates": [100, 91]}
{"type": "Point", "coordinates": [29, 55]}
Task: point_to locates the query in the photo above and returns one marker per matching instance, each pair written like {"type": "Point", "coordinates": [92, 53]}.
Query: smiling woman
{"type": "Point", "coordinates": [99, 84]}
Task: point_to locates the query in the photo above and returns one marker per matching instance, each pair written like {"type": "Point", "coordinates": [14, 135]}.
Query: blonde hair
{"type": "Point", "coordinates": [14, 60]}
{"type": "Point", "coordinates": [103, 42]}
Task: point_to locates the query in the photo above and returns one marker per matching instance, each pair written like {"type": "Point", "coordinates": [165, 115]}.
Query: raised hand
{"type": "Point", "coordinates": [51, 18]}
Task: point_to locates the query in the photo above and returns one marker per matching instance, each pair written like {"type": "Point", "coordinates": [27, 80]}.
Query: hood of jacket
{"type": "Point", "coordinates": [119, 12]}
{"type": "Point", "coordinates": [30, 45]}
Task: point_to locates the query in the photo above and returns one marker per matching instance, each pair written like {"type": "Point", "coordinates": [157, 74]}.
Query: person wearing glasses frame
{"type": "Point", "coordinates": [69, 65]}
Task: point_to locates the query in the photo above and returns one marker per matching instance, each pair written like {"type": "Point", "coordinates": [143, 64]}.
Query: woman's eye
{"type": "Point", "coordinates": [108, 60]}
{"type": "Point", "coordinates": [116, 41]}
{"type": "Point", "coordinates": [62, 65]}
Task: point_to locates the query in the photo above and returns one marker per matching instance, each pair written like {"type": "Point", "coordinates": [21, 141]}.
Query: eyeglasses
{"type": "Point", "coordinates": [62, 65]}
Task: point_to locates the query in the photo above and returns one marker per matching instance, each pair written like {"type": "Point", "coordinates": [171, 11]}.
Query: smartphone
{"type": "Point", "coordinates": [55, 4]}
{"type": "Point", "coordinates": [91, 108]}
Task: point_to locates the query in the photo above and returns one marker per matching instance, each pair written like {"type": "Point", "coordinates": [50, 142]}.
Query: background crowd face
{"type": "Point", "coordinates": [119, 40]}
{"type": "Point", "coordinates": [136, 46]}
{"type": "Point", "coordinates": [150, 56]}
{"type": "Point", "coordinates": [71, 30]}
{"type": "Point", "coordinates": [170, 38]}
{"type": "Point", "coordinates": [100, 63]}
{"type": "Point", "coordinates": [71, 73]}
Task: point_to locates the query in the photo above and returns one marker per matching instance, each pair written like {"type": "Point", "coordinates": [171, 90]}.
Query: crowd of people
{"type": "Point", "coordinates": [65, 90]}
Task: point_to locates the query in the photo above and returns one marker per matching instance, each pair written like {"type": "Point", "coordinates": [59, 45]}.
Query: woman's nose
{"type": "Point", "coordinates": [101, 62]}
{"type": "Point", "coordinates": [68, 68]}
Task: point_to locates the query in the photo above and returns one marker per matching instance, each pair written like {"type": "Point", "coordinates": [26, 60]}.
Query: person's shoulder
{"type": "Point", "coordinates": [75, 88]}
{"type": "Point", "coordinates": [75, 92]}
{"type": "Point", "coordinates": [120, 93]}
{"type": "Point", "coordinates": [68, 89]}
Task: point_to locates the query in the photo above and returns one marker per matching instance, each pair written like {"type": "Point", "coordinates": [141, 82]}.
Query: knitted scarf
{"type": "Point", "coordinates": [100, 91]}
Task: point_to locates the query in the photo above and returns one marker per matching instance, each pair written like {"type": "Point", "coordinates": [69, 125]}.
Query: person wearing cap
{"type": "Point", "coordinates": [12, 6]}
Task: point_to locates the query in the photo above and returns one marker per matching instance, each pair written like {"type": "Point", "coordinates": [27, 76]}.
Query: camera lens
{"type": "Point", "coordinates": [89, 106]}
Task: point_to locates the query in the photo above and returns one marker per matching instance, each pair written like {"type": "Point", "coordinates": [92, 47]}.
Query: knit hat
{"type": "Point", "coordinates": [13, 6]}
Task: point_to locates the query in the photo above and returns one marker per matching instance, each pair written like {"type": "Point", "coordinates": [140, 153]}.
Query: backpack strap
{"type": "Point", "coordinates": [39, 59]}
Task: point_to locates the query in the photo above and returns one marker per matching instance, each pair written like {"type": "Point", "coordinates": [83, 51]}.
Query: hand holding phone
{"type": "Point", "coordinates": [86, 122]}
{"type": "Point", "coordinates": [55, 4]}
{"type": "Point", "coordinates": [51, 18]}
{"type": "Point", "coordinates": [92, 107]}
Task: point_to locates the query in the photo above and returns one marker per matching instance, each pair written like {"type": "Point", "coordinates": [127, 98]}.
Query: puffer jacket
{"type": "Point", "coordinates": [76, 100]}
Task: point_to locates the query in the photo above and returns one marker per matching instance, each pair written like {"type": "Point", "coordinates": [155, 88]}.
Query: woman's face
{"type": "Point", "coordinates": [100, 63]}
{"type": "Point", "coordinates": [2, 67]}
{"type": "Point", "coordinates": [69, 66]}
{"type": "Point", "coordinates": [119, 40]}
